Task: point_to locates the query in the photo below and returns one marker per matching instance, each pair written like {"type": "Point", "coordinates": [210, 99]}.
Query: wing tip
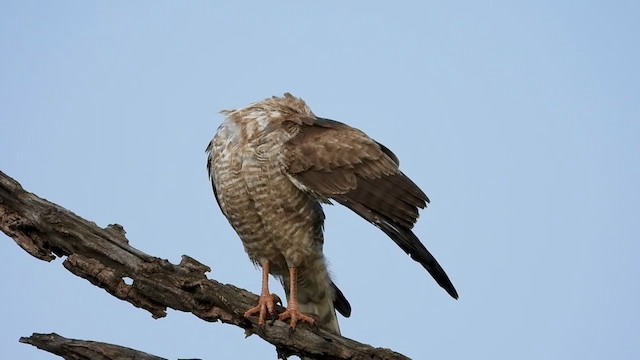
{"type": "Point", "coordinates": [407, 241]}
{"type": "Point", "coordinates": [449, 288]}
{"type": "Point", "coordinates": [453, 293]}
{"type": "Point", "coordinates": [410, 243]}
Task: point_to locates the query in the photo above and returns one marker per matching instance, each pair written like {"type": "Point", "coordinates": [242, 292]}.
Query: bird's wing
{"type": "Point", "coordinates": [211, 152]}
{"type": "Point", "coordinates": [332, 160]}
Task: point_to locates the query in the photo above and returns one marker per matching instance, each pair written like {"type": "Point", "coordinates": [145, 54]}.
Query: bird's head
{"type": "Point", "coordinates": [271, 112]}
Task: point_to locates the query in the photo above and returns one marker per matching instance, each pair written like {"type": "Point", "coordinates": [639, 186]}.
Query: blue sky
{"type": "Point", "coordinates": [520, 120]}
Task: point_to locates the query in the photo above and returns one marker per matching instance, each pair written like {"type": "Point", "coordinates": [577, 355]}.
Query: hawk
{"type": "Point", "coordinates": [272, 164]}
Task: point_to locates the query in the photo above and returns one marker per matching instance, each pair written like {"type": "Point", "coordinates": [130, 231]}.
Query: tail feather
{"type": "Point", "coordinates": [340, 302]}
{"type": "Point", "coordinates": [324, 311]}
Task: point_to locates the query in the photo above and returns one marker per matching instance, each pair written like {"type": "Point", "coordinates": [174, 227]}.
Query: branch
{"type": "Point", "coordinates": [105, 258]}
{"type": "Point", "coordinates": [72, 349]}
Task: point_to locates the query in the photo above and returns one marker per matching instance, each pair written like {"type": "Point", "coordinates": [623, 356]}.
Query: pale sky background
{"type": "Point", "coordinates": [520, 120]}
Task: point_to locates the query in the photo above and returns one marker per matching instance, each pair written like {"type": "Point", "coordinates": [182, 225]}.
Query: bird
{"type": "Point", "coordinates": [272, 165]}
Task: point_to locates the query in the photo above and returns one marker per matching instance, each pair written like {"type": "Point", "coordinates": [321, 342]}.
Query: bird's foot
{"type": "Point", "coordinates": [294, 315]}
{"type": "Point", "coordinates": [266, 305]}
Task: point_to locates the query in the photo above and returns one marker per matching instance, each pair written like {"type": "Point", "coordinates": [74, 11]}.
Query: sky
{"type": "Point", "coordinates": [520, 121]}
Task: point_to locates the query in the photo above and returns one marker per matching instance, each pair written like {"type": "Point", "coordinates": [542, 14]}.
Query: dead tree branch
{"type": "Point", "coordinates": [72, 349]}
{"type": "Point", "coordinates": [104, 257]}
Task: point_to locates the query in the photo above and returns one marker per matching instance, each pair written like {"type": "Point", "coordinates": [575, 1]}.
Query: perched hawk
{"type": "Point", "coordinates": [272, 164]}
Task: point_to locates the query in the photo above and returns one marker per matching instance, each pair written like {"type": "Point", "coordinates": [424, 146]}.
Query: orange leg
{"type": "Point", "coordinates": [293, 309]}
{"type": "Point", "coordinates": [267, 302]}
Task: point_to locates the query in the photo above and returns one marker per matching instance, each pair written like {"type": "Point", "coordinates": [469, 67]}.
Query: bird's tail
{"type": "Point", "coordinates": [320, 306]}
{"type": "Point", "coordinates": [319, 297]}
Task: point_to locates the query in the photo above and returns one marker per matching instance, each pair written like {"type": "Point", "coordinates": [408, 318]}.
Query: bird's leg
{"type": "Point", "coordinates": [267, 302]}
{"type": "Point", "coordinates": [293, 309]}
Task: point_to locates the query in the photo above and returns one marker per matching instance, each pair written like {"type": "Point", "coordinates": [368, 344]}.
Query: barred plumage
{"type": "Point", "coordinates": [272, 163]}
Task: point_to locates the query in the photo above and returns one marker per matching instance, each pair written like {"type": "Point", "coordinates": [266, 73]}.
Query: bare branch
{"type": "Point", "coordinates": [72, 349]}
{"type": "Point", "coordinates": [104, 257]}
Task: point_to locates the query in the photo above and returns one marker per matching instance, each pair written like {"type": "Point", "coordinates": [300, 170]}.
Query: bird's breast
{"type": "Point", "coordinates": [271, 215]}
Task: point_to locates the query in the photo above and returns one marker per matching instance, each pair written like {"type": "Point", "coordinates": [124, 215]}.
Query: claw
{"type": "Point", "coordinates": [294, 316]}
{"type": "Point", "coordinates": [266, 305]}
{"type": "Point", "coordinates": [293, 313]}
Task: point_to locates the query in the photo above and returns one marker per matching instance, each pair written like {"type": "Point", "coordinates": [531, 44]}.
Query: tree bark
{"type": "Point", "coordinates": [105, 258]}
{"type": "Point", "coordinates": [73, 349]}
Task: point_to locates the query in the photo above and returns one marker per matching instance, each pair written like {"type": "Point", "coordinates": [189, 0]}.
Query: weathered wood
{"type": "Point", "coordinates": [105, 258]}
{"type": "Point", "coordinates": [73, 349]}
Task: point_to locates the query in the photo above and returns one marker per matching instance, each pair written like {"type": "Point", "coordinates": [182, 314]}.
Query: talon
{"type": "Point", "coordinates": [266, 305]}
{"type": "Point", "coordinates": [293, 309]}
{"type": "Point", "coordinates": [267, 302]}
{"type": "Point", "coordinates": [296, 316]}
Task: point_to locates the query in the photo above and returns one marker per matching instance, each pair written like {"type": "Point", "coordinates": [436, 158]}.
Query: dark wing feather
{"type": "Point", "coordinates": [335, 161]}
{"type": "Point", "coordinates": [209, 151]}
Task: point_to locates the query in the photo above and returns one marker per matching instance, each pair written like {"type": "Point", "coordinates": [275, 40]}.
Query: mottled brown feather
{"type": "Point", "coordinates": [331, 158]}
{"type": "Point", "coordinates": [280, 226]}
{"type": "Point", "coordinates": [335, 161]}
{"type": "Point", "coordinates": [272, 164]}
